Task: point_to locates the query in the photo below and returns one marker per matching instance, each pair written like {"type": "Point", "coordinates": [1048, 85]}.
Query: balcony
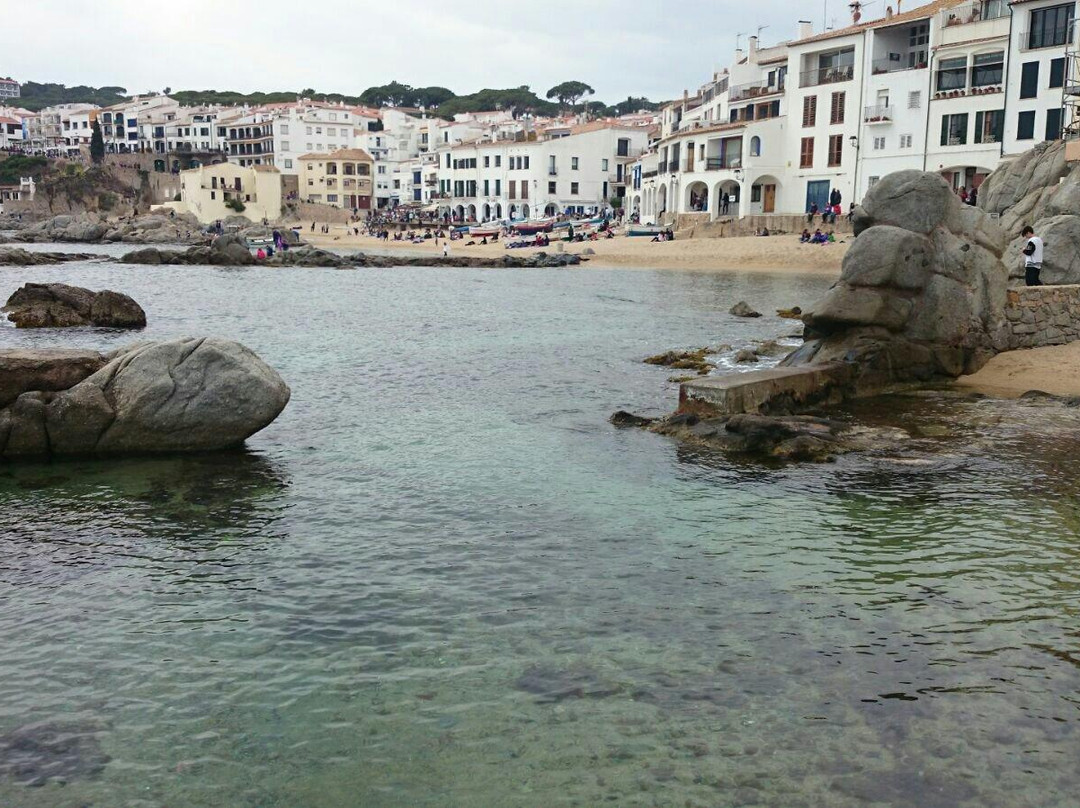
{"type": "Point", "coordinates": [1046, 38]}
{"type": "Point", "coordinates": [880, 113]}
{"type": "Point", "coordinates": [979, 11]}
{"type": "Point", "coordinates": [897, 65]}
{"type": "Point", "coordinates": [753, 90]}
{"type": "Point", "coordinates": [826, 75]}
{"type": "Point", "coordinates": [722, 163]}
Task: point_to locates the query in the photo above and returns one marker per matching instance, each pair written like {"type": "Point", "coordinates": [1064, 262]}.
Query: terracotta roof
{"type": "Point", "coordinates": [341, 154]}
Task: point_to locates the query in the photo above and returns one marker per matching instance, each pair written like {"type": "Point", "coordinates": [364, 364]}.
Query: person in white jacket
{"type": "Point", "coordinates": [1033, 257]}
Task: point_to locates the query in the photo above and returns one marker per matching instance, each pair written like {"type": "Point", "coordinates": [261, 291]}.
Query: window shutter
{"type": "Point", "coordinates": [944, 130]}
{"type": "Point", "coordinates": [837, 112]}
{"type": "Point", "coordinates": [979, 127]}
{"type": "Point", "coordinates": [809, 115]}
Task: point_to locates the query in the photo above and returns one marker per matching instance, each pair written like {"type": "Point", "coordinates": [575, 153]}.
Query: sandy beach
{"type": "Point", "coordinates": [1054, 369]}
{"type": "Point", "coordinates": [772, 253]}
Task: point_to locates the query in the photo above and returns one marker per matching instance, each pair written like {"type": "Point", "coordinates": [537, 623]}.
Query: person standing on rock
{"type": "Point", "coordinates": [1033, 257]}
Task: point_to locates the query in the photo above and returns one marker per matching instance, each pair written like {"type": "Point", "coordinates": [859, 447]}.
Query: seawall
{"type": "Point", "coordinates": [1043, 315]}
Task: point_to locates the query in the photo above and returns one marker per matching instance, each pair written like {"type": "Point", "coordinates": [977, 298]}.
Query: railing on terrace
{"type": "Point", "coordinates": [722, 163]}
{"type": "Point", "coordinates": [879, 113]}
{"type": "Point", "coordinates": [979, 11]}
{"type": "Point", "coordinates": [753, 90]}
{"type": "Point", "coordinates": [1046, 38]}
{"type": "Point", "coordinates": [896, 65]}
{"type": "Point", "coordinates": [826, 75]}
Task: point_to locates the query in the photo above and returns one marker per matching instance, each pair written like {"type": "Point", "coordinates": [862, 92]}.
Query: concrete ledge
{"type": "Point", "coordinates": [777, 390]}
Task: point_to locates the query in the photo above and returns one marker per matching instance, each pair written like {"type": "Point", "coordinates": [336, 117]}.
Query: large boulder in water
{"type": "Point", "coordinates": [57, 305]}
{"type": "Point", "coordinates": [231, 251]}
{"type": "Point", "coordinates": [922, 290]}
{"type": "Point", "coordinates": [179, 396]}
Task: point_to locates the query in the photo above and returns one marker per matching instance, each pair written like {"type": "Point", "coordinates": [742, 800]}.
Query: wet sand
{"type": "Point", "coordinates": [772, 253]}
{"type": "Point", "coordinates": [1054, 369]}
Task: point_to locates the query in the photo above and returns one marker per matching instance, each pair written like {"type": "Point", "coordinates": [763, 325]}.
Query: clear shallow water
{"type": "Point", "coordinates": [442, 579]}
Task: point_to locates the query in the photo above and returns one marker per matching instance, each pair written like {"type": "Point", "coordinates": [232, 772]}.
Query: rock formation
{"type": "Point", "coordinates": [15, 257]}
{"type": "Point", "coordinates": [1040, 189]}
{"type": "Point", "coordinates": [89, 227]}
{"type": "Point", "coordinates": [179, 396]}
{"type": "Point", "coordinates": [922, 291]}
{"type": "Point", "coordinates": [57, 305]}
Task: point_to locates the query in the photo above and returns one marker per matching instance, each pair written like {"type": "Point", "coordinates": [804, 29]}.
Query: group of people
{"type": "Point", "coordinates": [968, 197]}
{"type": "Point", "coordinates": [832, 210]}
{"type": "Point", "coordinates": [664, 235]}
{"type": "Point", "coordinates": [817, 237]}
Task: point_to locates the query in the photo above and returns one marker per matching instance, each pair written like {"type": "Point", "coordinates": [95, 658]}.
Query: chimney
{"type": "Point", "coordinates": [752, 47]}
{"type": "Point", "coordinates": [806, 29]}
{"type": "Point", "coordinates": [738, 55]}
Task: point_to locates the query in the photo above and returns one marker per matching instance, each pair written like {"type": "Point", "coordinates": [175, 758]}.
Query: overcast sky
{"type": "Point", "coordinates": [654, 48]}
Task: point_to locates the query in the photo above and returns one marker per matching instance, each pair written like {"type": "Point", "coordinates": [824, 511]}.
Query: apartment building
{"type": "Point", "coordinates": [952, 86]}
{"type": "Point", "coordinates": [138, 124]}
{"type": "Point", "coordinates": [9, 88]}
{"type": "Point", "coordinates": [218, 191]}
{"type": "Point", "coordinates": [11, 132]}
{"type": "Point", "coordinates": [249, 138]}
{"type": "Point", "coordinates": [342, 178]}
{"type": "Point", "coordinates": [531, 176]}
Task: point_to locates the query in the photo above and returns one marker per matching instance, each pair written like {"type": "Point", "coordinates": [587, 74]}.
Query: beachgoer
{"type": "Point", "coordinates": [1033, 257]}
{"type": "Point", "coordinates": [446, 249]}
{"type": "Point", "coordinates": [261, 254]}
{"type": "Point", "coordinates": [805, 237]}
{"type": "Point", "coordinates": [725, 203]}
{"type": "Point", "coordinates": [813, 213]}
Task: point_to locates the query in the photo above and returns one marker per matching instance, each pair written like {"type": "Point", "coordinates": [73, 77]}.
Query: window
{"type": "Point", "coordinates": [879, 143]}
{"type": "Point", "coordinates": [487, 188]}
{"type": "Point", "coordinates": [755, 193]}
{"type": "Point", "coordinates": [809, 110]}
{"type": "Point", "coordinates": [573, 189]}
{"type": "Point", "coordinates": [836, 115]}
{"type": "Point", "coordinates": [498, 187]}
{"type": "Point", "coordinates": [954, 129]}
{"type": "Point", "coordinates": [526, 162]}
{"type": "Point", "coordinates": [331, 131]}
{"type": "Point", "coordinates": [836, 149]}
{"type": "Point", "coordinates": [987, 69]}
{"type": "Point", "coordinates": [1057, 73]}
{"type": "Point", "coordinates": [309, 149]}
{"type": "Point", "coordinates": [604, 165]}
{"type": "Point", "coordinates": [288, 163]}
{"type": "Point", "coordinates": [914, 99]}
{"type": "Point", "coordinates": [905, 141]}
{"type": "Point", "coordinates": [806, 153]}
{"type": "Point", "coordinates": [331, 197]}
{"type": "Point", "coordinates": [873, 181]}
{"type": "Point", "coordinates": [1053, 123]}
{"type": "Point", "coordinates": [1050, 27]}
{"type": "Point", "coordinates": [755, 146]}
{"type": "Point", "coordinates": [1025, 127]}
{"type": "Point", "coordinates": [952, 74]}
{"type": "Point", "coordinates": [285, 145]}
{"type": "Point", "coordinates": [1029, 80]}
{"type": "Point", "coordinates": [551, 188]}
{"type": "Point", "coordinates": [573, 164]}
{"type": "Point", "coordinates": [498, 160]}
{"type": "Point", "coordinates": [307, 130]}
{"type": "Point", "coordinates": [990, 126]}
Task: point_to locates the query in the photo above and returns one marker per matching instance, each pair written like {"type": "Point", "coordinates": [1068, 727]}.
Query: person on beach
{"type": "Point", "coordinates": [725, 203]}
{"type": "Point", "coordinates": [813, 213]}
{"type": "Point", "coordinates": [1033, 256]}
{"type": "Point", "coordinates": [446, 249]}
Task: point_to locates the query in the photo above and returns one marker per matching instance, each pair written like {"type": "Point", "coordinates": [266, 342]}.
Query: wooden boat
{"type": "Point", "coordinates": [644, 230]}
{"type": "Point", "coordinates": [484, 231]}
{"type": "Point", "coordinates": [530, 228]}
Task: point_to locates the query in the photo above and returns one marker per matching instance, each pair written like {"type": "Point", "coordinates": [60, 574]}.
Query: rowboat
{"type": "Point", "coordinates": [485, 231]}
{"type": "Point", "coordinates": [527, 228]}
{"type": "Point", "coordinates": [644, 230]}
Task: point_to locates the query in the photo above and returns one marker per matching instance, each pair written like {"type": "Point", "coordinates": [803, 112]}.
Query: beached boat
{"type": "Point", "coordinates": [644, 230]}
{"type": "Point", "coordinates": [484, 231]}
{"type": "Point", "coordinates": [597, 220]}
{"type": "Point", "coordinates": [540, 226]}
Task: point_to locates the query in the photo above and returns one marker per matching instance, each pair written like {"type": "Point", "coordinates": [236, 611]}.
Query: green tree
{"type": "Point", "coordinates": [569, 92]}
{"type": "Point", "coordinates": [97, 144]}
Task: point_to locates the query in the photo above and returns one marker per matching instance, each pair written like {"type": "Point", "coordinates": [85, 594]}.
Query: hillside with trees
{"type": "Point", "coordinates": [437, 100]}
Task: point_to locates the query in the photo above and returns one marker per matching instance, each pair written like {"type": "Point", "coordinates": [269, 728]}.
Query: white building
{"type": "Point", "coordinates": [138, 124]}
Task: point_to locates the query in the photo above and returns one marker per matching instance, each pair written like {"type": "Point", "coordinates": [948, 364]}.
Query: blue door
{"type": "Point", "coordinates": [817, 191]}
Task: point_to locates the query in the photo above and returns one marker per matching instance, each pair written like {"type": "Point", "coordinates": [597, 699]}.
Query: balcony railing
{"type": "Point", "coordinates": [1046, 38]}
{"type": "Point", "coordinates": [879, 113]}
{"type": "Point", "coordinates": [722, 163]}
{"type": "Point", "coordinates": [753, 90]}
{"type": "Point", "coordinates": [827, 75]}
{"type": "Point", "coordinates": [896, 65]}
{"type": "Point", "coordinates": [979, 11]}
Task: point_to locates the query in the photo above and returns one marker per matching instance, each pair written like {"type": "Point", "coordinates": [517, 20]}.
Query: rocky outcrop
{"type": "Point", "coordinates": [743, 309]}
{"type": "Point", "coordinates": [57, 305]}
{"type": "Point", "coordinates": [797, 437]}
{"type": "Point", "coordinates": [90, 227]}
{"type": "Point", "coordinates": [922, 291]}
{"type": "Point", "coordinates": [47, 370]}
{"type": "Point", "coordinates": [232, 250]}
{"type": "Point", "coordinates": [1038, 188]}
{"type": "Point", "coordinates": [180, 396]}
{"type": "Point", "coordinates": [15, 257]}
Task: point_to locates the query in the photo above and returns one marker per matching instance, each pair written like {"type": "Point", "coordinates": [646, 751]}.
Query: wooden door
{"type": "Point", "coordinates": [769, 199]}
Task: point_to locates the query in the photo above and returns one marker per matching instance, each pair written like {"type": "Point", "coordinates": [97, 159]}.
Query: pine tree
{"type": "Point", "coordinates": [97, 144]}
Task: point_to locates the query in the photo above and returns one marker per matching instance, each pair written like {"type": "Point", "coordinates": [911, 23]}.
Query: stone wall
{"type": "Point", "coordinates": [1043, 315]}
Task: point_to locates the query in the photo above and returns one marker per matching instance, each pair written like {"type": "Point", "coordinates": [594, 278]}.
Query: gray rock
{"type": "Point", "coordinates": [57, 305]}
{"type": "Point", "coordinates": [746, 356]}
{"type": "Point", "coordinates": [179, 396]}
{"type": "Point", "coordinates": [742, 309]}
{"type": "Point", "coordinates": [231, 251]}
{"type": "Point", "coordinates": [49, 370]}
{"type": "Point", "coordinates": [15, 257]}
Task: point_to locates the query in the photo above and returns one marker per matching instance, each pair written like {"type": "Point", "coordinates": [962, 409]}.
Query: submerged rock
{"type": "Point", "coordinates": [743, 309]}
{"type": "Point", "coordinates": [551, 684]}
{"type": "Point", "coordinates": [34, 754]}
{"type": "Point", "coordinates": [179, 396]}
{"type": "Point", "coordinates": [57, 305]}
{"type": "Point", "coordinates": [684, 360]}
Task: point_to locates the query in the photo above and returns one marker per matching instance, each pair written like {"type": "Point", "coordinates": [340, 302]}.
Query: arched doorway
{"type": "Point", "coordinates": [524, 211]}
{"type": "Point", "coordinates": [661, 199]}
{"type": "Point", "coordinates": [459, 213]}
{"type": "Point", "coordinates": [733, 192]}
{"type": "Point", "coordinates": [551, 209]}
{"type": "Point", "coordinates": [472, 213]}
{"type": "Point", "coordinates": [964, 177]}
{"type": "Point", "coordinates": [498, 210]}
{"type": "Point", "coordinates": [514, 212]}
{"type": "Point", "coordinates": [763, 194]}
{"type": "Point", "coordinates": [697, 197]}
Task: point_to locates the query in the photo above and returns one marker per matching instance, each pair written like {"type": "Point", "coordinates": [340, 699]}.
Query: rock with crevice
{"type": "Point", "coordinates": [179, 396]}
{"type": "Point", "coordinates": [57, 305]}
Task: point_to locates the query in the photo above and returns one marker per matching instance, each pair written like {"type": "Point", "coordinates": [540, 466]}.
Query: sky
{"type": "Point", "coordinates": [652, 48]}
